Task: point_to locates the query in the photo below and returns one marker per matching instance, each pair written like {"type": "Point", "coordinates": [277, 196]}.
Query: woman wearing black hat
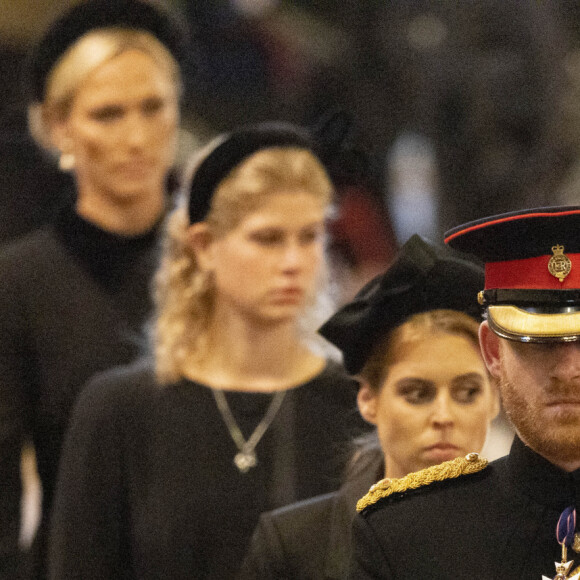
{"type": "Point", "coordinates": [73, 296]}
{"type": "Point", "coordinates": [167, 468]}
{"type": "Point", "coordinates": [411, 338]}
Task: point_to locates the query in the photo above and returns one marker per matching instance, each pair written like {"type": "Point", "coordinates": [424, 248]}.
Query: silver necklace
{"type": "Point", "coordinates": [246, 458]}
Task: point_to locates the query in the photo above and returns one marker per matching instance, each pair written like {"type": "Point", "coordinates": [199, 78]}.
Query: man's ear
{"type": "Point", "coordinates": [489, 342]}
{"type": "Point", "coordinates": [367, 402]}
{"type": "Point", "coordinates": [200, 241]}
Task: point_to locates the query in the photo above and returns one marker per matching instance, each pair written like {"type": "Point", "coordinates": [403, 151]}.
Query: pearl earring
{"type": "Point", "coordinates": [66, 161]}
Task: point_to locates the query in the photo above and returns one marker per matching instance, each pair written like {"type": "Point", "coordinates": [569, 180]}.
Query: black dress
{"type": "Point", "coordinates": [73, 300]}
{"type": "Point", "coordinates": [148, 486]}
{"type": "Point", "coordinates": [311, 539]}
{"type": "Point", "coordinates": [496, 524]}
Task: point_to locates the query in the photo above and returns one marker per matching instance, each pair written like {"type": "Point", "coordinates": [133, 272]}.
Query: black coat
{"type": "Point", "coordinates": [310, 540]}
{"type": "Point", "coordinates": [496, 524]}
{"type": "Point", "coordinates": [73, 301]}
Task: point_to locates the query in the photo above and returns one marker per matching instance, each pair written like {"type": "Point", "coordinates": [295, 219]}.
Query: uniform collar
{"type": "Point", "coordinates": [540, 480]}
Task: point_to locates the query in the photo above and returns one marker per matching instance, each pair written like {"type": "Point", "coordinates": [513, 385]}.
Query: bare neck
{"type": "Point", "coordinates": [243, 356]}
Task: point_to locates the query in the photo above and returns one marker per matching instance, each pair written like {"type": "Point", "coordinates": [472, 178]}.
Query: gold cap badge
{"type": "Point", "coordinates": [559, 265]}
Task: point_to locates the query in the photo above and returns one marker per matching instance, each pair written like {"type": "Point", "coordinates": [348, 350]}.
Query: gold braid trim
{"type": "Point", "coordinates": [471, 463]}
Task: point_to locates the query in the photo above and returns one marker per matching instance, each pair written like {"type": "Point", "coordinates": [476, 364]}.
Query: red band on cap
{"type": "Point", "coordinates": [530, 273]}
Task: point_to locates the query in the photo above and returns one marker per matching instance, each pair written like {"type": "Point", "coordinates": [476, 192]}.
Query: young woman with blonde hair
{"type": "Point", "coordinates": [168, 465]}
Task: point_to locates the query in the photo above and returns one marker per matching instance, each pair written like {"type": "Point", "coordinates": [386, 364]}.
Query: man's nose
{"type": "Point", "coordinates": [567, 361]}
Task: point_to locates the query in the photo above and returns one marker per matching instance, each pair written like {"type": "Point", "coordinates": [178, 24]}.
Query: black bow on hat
{"type": "Point", "coordinates": [424, 277]}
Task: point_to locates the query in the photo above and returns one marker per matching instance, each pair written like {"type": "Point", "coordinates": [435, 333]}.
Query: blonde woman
{"type": "Point", "coordinates": [74, 295]}
{"type": "Point", "coordinates": [168, 465]}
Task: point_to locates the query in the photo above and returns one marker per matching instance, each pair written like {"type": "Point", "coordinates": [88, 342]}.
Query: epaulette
{"type": "Point", "coordinates": [469, 464]}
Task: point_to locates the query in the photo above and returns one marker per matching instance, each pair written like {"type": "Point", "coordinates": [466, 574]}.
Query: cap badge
{"type": "Point", "coordinates": [559, 265]}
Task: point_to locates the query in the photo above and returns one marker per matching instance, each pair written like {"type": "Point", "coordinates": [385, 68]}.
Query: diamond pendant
{"type": "Point", "coordinates": [245, 460]}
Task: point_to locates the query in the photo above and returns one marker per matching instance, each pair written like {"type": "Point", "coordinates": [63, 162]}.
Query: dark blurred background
{"type": "Point", "coordinates": [467, 108]}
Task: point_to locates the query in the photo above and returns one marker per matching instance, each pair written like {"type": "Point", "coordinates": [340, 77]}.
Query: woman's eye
{"type": "Point", "coordinates": [467, 394]}
{"type": "Point", "coordinates": [310, 236]}
{"type": "Point", "coordinates": [152, 106]}
{"type": "Point", "coordinates": [267, 238]}
{"type": "Point", "coordinates": [417, 395]}
{"type": "Point", "coordinates": [107, 114]}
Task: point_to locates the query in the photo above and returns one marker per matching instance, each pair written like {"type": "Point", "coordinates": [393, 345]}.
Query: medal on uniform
{"type": "Point", "coordinates": [565, 530]}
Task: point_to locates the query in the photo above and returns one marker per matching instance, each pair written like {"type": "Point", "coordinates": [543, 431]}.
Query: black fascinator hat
{"type": "Point", "coordinates": [424, 277]}
{"type": "Point", "coordinates": [147, 15]}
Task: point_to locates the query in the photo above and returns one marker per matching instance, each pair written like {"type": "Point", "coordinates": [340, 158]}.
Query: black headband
{"type": "Point", "coordinates": [145, 15]}
{"type": "Point", "coordinates": [230, 153]}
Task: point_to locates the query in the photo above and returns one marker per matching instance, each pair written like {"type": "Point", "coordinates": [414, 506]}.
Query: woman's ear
{"type": "Point", "coordinates": [58, 133]}
{"type": "Point", "coordinates": [200, 240]}
{"type": "Point", "coordinates": [367, 402]}
{"type": "Point", "coordinates": [489, 342]}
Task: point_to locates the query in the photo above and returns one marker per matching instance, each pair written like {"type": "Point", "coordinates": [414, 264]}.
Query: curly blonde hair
{"type": "Point", "coordinates": [183, 294]}
{"type": "Point", "coordinates": [416, 327]}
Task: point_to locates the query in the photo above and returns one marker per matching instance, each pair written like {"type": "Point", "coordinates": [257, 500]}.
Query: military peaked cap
{"type": "Point", "coordinates": [532, 271]}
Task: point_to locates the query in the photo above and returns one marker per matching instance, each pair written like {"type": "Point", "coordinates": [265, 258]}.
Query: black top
{"type": "Point", "coordinates": [148, 487]}
{"type": "Point", "coordinates": [311, 539]}
{"type": "Point", "coordinates": [496, 524]}
{"type": "Point", "coordinates": [73, 300]}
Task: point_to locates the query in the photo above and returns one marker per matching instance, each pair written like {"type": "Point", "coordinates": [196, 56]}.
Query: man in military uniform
{"type": "Point", "coordinates": [516, 517]}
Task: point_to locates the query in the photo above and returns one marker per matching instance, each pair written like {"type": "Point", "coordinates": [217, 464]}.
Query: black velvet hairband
{"type": "Point", "coordinates": [84, 17]}
{"type": "Point", "coordinates": [239, 145]}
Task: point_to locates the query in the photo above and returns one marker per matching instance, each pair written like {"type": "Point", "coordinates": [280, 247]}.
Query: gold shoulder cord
{"type": "Point", "coordinates": [469, 464]}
